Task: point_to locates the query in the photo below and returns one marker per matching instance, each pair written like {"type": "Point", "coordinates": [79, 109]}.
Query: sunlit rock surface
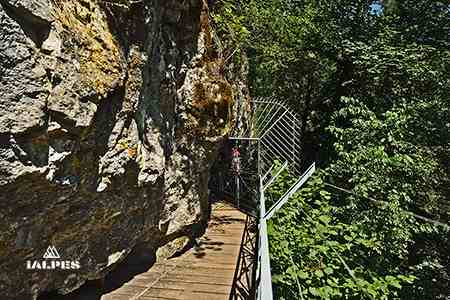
{"type": "Point", "coordinates": [111, 114]}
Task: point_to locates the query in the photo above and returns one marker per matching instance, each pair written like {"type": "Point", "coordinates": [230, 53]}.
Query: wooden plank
{"type": "Point", "coordinates": [192, 286]}
{"type": "Point", "coordinates": [203, 273]}
{"type": "Point", "coordinates": [175, 294]}
{"type": "Point", "coordinates": [128, 290]}
{"type": "Point", "coordinates": [201, 278]}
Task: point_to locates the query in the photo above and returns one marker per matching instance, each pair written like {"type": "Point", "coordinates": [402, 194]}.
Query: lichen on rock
{"type": "Point", "coordinates": [110, 118]}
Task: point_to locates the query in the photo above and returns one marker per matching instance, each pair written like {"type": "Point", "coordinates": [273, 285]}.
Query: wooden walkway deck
{"type": "Point", "coordinates": [205, 272]}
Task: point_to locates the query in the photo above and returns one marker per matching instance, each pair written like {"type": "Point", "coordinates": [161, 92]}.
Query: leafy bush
{"type": "Point", "coordinates": [316, 255]}
{"type": "Point", "coordinates": [372, 92]}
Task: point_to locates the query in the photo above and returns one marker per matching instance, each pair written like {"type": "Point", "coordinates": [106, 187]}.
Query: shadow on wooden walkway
{"type": "Point", "coordinates": [204, 272]}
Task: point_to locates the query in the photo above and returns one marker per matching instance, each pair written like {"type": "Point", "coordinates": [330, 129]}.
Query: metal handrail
{"type": "Point", "coordinates": [275, 134]}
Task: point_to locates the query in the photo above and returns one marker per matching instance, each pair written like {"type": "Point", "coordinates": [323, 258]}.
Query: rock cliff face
{"type": "Point", "coordinates": [111, 113]}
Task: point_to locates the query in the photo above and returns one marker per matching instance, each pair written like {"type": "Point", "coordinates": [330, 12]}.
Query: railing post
{"type": "Point", "coordinates": [265, 278]}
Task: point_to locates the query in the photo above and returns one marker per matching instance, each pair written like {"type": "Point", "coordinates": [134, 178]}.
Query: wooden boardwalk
{"type": "Point", "coordinates": [205, 272]}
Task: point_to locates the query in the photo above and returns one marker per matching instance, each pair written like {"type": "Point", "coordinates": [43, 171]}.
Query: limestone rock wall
{"type": "Point", "coordinates": [111, 114]}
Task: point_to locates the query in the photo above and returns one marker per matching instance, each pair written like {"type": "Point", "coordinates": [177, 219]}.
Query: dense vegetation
{"type": "Point", "coordinates": [371, 82]}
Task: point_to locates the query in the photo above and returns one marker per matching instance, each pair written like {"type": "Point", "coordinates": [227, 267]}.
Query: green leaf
{"type": "Point", "coordinates": [325, 219]}
{"type": "Point", "coordinates": [302, 275]}
{"type": "Point", "coordinates": [314, 291]}
{"type": "Point", "coordinates": [318, 273]}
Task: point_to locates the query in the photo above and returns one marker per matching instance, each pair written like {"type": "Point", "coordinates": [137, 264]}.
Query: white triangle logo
{"type": "Point", "coordinates": [51, 253]}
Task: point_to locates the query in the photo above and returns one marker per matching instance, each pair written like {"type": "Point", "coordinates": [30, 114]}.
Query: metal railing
{"type": "Point", "coordinates": [271, 146]}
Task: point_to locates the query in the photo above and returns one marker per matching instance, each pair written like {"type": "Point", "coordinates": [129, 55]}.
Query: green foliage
{"type": "Point", "coordinates": [230, 24]}
{"type": "Point", "coordinates": [316, 255]}
{"type": "Point", "coordinates": [372, 92]}
{"type": "Point", "coordinates": [230, 33]}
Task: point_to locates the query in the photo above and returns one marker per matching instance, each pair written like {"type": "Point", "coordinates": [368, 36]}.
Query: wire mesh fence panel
{"type": "Point", "coordinates": [269, 147]}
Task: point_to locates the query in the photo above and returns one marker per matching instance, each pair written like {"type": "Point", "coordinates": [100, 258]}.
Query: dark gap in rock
{"type": "Point", "coordinates": [32, 149]}
{"type": "Point", "coordinates": [126, 23]}
{"type": "Point", "coordinates": [129, 178]}
{"type": "Point", "coordinates": [62, 120]}
{"type": "Point", "coordinates": [35, 28]}
{"type": "Point", "coordinates": [54, 78]}
{"type": "Point", "coordinates": [4, 140]}
{"type": "Point", "coordinates": [48, 295]}
{"type": "Point", "coordinates": [32, 132]}
{"type": "Point", "coordinates": [218, 172]}
{"type": "Point", "coordinates": [46, 51]}
{"type": "Point", "coordinates": [106, 118]}
{"type": "Point", "coordinates": [140, 260]}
